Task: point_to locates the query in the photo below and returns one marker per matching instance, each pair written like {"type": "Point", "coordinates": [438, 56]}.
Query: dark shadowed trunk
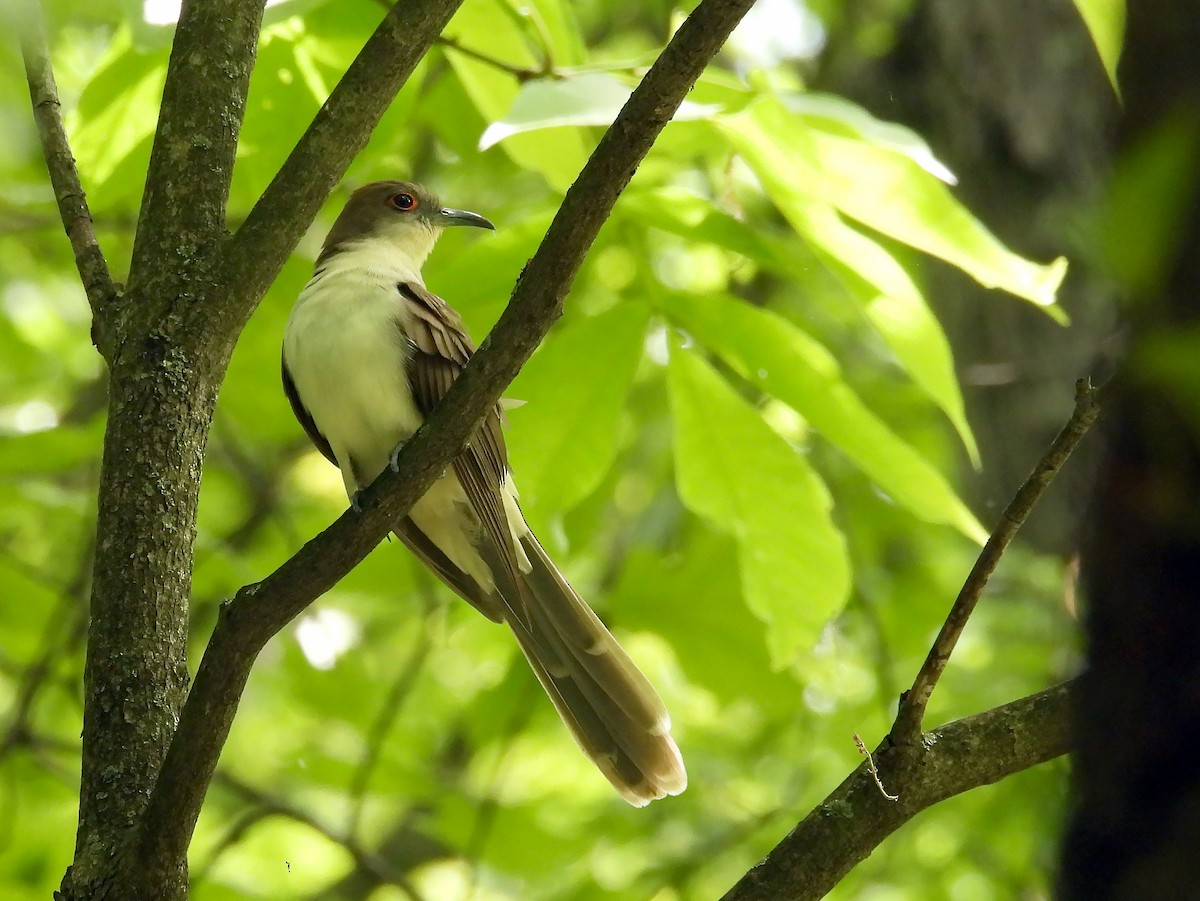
{"type": "Point", "coordinates": [1135, 833]}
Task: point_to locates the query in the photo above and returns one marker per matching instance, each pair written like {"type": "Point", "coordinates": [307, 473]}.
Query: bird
{"type": "Point", "coordinates": [368, 351]}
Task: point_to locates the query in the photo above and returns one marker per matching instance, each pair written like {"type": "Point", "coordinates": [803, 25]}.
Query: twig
{"type": "Point", "coordinates": [520, 73]}
{"type": "Point", "coordinates": [64, 177]}
{"type": "Point", "coordinates": [862, 749]}
{"type": "Point", "coordinates": [907, 727]}
{"type": "Point", "coordinates": [258, 611]}
{"type": "Point", "coordinates": [855, 818]}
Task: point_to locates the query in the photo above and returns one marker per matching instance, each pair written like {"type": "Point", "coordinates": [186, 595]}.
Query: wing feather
{"type": "Point", "coordinates": [441, 348]}
{"type": "Point", "coordinates": [302, 414]}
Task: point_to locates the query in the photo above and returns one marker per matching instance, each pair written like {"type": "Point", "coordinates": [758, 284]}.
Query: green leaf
{"type": "Point", "coordinates": [557, 155]}
{"type": "Point", "coordinates": [798, 162]}
{"type": "Point", "coordinates": [1105, 20]}
{"type": "Point", "coordinates": [1149, 200]}
{"type": "Point", "coordinates": [688, 600]}
{"type": "Point", "coordinates": [591, 99]}
{"type": "Point", "coordinates": [116, 117]}
{"type": "Point", "coordinates": [893, 304]}
{"type": "Point", "coordinates": [563, 440]}
{"type": "Point", "coordinates": [821, 108]}
{"type": "Point", "coordinates": [732, 469]}
{"type": "Point", "coordinates": [873, 278]}
{"type": "Point", "coordinates": [555, 23]}
{"type": "Point", "coordinates": [791, 366]}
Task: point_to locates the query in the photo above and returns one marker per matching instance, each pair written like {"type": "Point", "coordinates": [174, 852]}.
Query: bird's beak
{"type": "Point", "coordinates": [449, 217]}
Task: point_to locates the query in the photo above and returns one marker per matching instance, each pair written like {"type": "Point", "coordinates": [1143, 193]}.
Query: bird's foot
{"type": "Point", "coordinates": [355, 505]}
{"type": "Point", "coordinates": [394, 457]}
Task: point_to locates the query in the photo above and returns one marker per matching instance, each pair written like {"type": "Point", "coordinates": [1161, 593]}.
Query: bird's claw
{"type": "Point", "coordinates": [354, 501]}
{"type": "Point", "coordinates": [394, 457]}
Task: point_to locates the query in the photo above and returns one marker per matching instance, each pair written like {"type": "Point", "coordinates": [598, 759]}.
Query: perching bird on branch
{"type": "Point", "coordinates": [367, 354]}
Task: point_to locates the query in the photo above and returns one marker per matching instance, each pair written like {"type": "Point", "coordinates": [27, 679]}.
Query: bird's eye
{"type": "Point", "coordinates": [404, 202]}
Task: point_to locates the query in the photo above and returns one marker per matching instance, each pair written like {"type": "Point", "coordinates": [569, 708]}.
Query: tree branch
{"type": "Point", "coordinates": [856, 817]}
{"type": "Point", "coordinates": [907, 728]}
{"type": "Point", "coordinates": [182, 217]}
{"type": "Point", "coordinates": [339, 131]}
{"type": "Point", "coordinates": [258, 611]}
{"type": "Point", "coordinates": [60, 162]}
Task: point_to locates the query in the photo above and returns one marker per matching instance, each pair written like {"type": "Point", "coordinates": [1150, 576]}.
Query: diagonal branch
{"type": "Point", "coordinates": [848, 825]}
{"type": "Point", "coordinates": [907, 728]}
{"type": "Point", "coordinates": [339, 131]}
{"type": "Point", "coordinates": [182, 218]}
{"type": "Point", "coordinates": [258, 611]}
{"type": "Point", "coordinates": [64, 177]}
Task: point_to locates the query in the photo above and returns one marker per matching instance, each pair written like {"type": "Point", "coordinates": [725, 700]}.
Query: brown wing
{"type": "Point", "coordinates": [440, 350]}
{"type": "Point", "coordinates": [302, 414]}
{"type": "Point", "coordinates": [609, 706]}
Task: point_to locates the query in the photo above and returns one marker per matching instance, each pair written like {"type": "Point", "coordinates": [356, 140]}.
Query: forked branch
{"type": "Point", "coordinates": [259, 611]}
{"type": "Point", "coordinates": [847, 826]}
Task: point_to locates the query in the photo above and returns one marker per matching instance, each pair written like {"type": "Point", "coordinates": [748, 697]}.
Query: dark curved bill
{"type": "Point", "coordinates": [464, 217]}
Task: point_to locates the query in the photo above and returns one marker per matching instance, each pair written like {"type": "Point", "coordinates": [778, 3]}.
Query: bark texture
{"type": "Point", "coordinates": [166, 350]}
{"type": "Point", "coordinates": [162, 390]}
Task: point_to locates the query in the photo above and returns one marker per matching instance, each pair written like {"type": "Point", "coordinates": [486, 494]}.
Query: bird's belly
{"type": "Point", "coordinates": [350, 375]}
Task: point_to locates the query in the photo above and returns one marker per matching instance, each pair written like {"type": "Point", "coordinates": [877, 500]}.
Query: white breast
{"type": "Point", "coordinates": [346, 352]}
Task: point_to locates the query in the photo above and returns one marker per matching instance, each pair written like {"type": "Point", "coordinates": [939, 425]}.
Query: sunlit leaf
{"type": "Point", "coordinates": [871, 276]}
{"type": "Point", "coordinates": [732, 469]}
{"type": "Point", "coordinates": [797, 163]}
{"type": "Point", "coordinates": [894, 305]}
{"type": "Point", "coordinates": [793, 367]}
{"type": "Point", "coordinates": [555, 23]}
{"type": "Point", "coordinates": [590, 99]}
{"type": "Point", "coordinates": [558, 155]}
{"type": "Point", "coordinates": [814, 107]}
{"type": "Point", "coordinates": [116, 117]}
{"type": "Point", "coordinates": [1105, 20]}
{"type": "Point", "coordinates": [563, 439]}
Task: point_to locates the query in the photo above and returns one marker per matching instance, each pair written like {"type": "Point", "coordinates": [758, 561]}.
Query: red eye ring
{"type": "Point", "coordinates": [403, 201]}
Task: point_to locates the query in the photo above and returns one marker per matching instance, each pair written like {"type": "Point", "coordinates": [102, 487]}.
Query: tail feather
{"type": "Point", "coordinates": [608, 705]}
{"type": "Point", "coordinates": [591, 644]}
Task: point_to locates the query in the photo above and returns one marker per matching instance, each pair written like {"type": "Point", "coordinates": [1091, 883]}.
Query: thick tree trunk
{"type": "Point", "coordinates": [136, 671]}
{"type": "Point", "coordinates": [1135, 833]}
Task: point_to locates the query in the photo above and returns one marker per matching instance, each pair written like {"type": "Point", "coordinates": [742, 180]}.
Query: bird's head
{"type": "Point", "coordinates": [400, 213]}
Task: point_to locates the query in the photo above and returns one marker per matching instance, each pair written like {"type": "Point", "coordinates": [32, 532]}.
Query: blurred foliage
{"type": "Point", "coordinates": [736, 443]}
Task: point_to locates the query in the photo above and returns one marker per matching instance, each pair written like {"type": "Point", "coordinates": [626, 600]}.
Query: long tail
{"type": "Point", "coordinates": [610, 707]}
